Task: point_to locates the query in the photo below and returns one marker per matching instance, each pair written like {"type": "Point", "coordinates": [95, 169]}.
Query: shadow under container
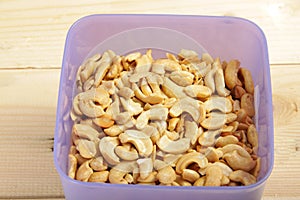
{"type": "Point", "coordinates": [224, 37]}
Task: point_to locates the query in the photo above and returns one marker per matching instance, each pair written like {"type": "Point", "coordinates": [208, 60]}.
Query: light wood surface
{"type": "Point", "coordinates": [32, 36]}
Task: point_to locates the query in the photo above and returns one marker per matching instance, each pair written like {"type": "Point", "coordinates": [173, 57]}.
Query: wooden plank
{"type": "Point", "coordinates": [27, 121]}
{"type": "Point", "coordinates": [33, 34]}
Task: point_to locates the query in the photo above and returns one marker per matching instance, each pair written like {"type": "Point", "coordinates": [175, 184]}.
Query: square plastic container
{"type": "Point", "coordinates": [224, 37]}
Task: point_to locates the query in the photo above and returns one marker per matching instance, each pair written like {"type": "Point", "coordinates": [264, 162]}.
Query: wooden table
{"type": "Point", "coordinates": [32, 36]}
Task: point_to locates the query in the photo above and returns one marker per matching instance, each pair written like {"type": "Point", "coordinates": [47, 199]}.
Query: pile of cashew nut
{"type": "Point", "coordinates": [182, 120]}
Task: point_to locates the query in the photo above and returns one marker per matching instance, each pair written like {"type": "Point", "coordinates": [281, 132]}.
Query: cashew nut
{"type": "Point", "coordinates": [253, 138]}
{"type": "Point", "coordinates": [199, 91]}
{"type": "Point", "coordinates": [237, 161]}
{"type": "Point", "coordinates": [145, 167]}
{"type": "Point", "coordinates": [171, 89]}
{"type": "Point", "coordinates": [154, 113]}
{"type": "Point", "coordinates": [166, 175]}
{"type": "Point", "coordinates": [103, 66]}
{"type": "Point", "coordinates": [246, 78]}
{"type": "Point", "coordinates": [213, 155]}
{"type": "Point", "coordinates": [159, 66]}
{"type": "Point", "coordinates": [220, 83]}
{"type": "Point", "coordinates": [231, 70]}
{"type": "Point", "coordinates": [130, 106]}
{"type": "Point", "coordinates": [118, 172]}
{"type": "Point", "coordinates": [182, 78]}
{"type": "Point", "coordinates": [140, 140]}
{"type": "Point", "coordinates": [247, 103]}
{"type": "Point", "coordinates": [192, 131]}
{"type": "Point", "coordinates": [92, 102]}
{"type": "Point", "coordinates": [101, 177]}
{"type": "Point", "coordinates": [72, 166]}
{"type": "Point", "coordinates": [98, 164]}
{"type": "Point", "coordinates": [189, 158]}
{"type": "Point", "coordinates": [86, 148]}
{"type": "Point", "coordinates": [188, 105]}
{"type": "Point", "coordinates": [190, 175]}
{"type": "Point", "coordinates": [85, 131]}
{"type": "Point", "coordinates": [208, 138]}
{"type": "Point", "coordinates": [223, 141]}
{"type": "Point", "coordinates": [170, 146]}
{"type": "Point", "coordinates": [104, 121]}
{"type": "Point", "coordinates": [84, 172]}
{"type": "Point", "coordinates": [214, 176]}
{"type": "Point", "coordinates": [126, 152]}
{"type": "Point", "coordinates": [88, 67]}
{"type": "Point", "coordinates": [216, 103]}
{"type": "Point", "coordinates": [241, 176]}
{"type": "Point", "coordinates": [107, 147]}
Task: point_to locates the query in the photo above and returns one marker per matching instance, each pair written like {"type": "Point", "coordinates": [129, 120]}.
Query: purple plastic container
{"type": "Point", "coordinates": [224, 37]}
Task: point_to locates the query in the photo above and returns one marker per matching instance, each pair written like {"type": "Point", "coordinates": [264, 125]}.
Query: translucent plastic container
{"type": "Point", "coordinates": [224, 37]}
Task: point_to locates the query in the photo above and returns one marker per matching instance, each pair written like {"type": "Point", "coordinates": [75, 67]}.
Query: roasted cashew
{"type": "Point", "coordinates": [88, 67]}
{"type": "Point", "coordinates": [98, 164]}
{"type": "Point", "coordinates": [217, 103]}
{"type": "Point", "coordinates": [182, 78]}
{"type": "Point", "coordinates": [131, 107]}
{"type": "Point", "coordinates": [209, 79]}
{"type": "Point", "coordinates": [208, 138]}
{"type": "Point", "coordinates": [160, 66]}
{"type": "Point", "coordinates": [253, 138]}
{"type": "Point", "coordinates": [86, 132]}
{"type": "Point", "coordinates": [126, 153]}
{"type": "Point", "coordinates": [84, 172]}
{"type": "Point", "coordinates": [192, 131]}
{"type": "Point", "coordinates": [145, 167]}
{"type": "Point", "coordinates": [114, 130]}
{"type": "Point", "coordinates": [199, 91]}
{"type": "Point", "coordinates": [189, 158]}
{"type": "Point", "coordinates": [101, 177]}
{"type": "Point", "coordinates": [170, 146]}
{"type": "Point", "coordinates": [104, 121]}
{"type": "Point", "coordinates": [86, 148]}
{"type": "Point", "coordinates": [171, 89]}
{"type": "Point", "coordinates": [154, 113]}
{"type": "Point", "coordinates": [214, 176]}
{"type": "Point", "coordinates": [107, 147]}
{"type": "Point", "coordinates": [190, 175]}
{"type": "Point", "coordinates": [140, 140]}
{"type": "Point", "coordinates": [237, 92]}
{"type": "Point", "coordinates": [231, 70]}
{"type": "Point", "coordinates": [220, 83]}
{"type": "Point", "coordinates": [246, 78]}
{"type": "Point", "coordinates": [188, 105]}
{"type": "Point", "coordinates": [241, 176]}
{"type": "Point", "coordinates": [166, 175]}
{"type": "Point", "coordinates": [103, 66]}
{"type": "Point", "coordinates": [153, 98]}
{"type": "Point", "coordinates": [200, 181]}
{"type": "Point", "coordinates": [213, 155]}
{"type": "Point", "coordinates": [223, 141]}
{"type": "Point", "coordinates": [92, 102]}
{"type": "Point", "coordinates": [236, 161]}
{"type": "Point", "coordinates": [72, 166]}
{"type": "Point", "coordinates": [118, 172]}
{"type": "Point", "coordinates": [247, 103]}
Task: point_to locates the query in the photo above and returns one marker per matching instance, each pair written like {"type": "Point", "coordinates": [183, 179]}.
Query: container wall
{"type": "Point", "coordinates": [225, 37]}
